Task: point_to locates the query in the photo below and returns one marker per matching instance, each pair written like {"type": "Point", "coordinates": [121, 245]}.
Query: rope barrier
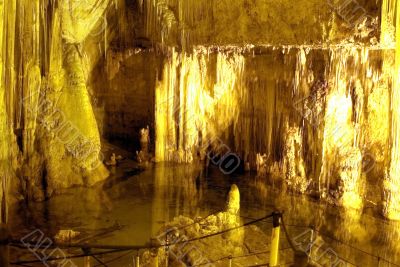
{"type": "Point", "coordinates": [334, 239]}
{"type": "Point", "coordinates": [99, 261]}
{"type": "Point", "coordinates": [116, 258]}
{"type": "Point", "coordinates": [288, 237]}
{"type": "Point", "coordinates": [66, 257]}
{"type": "Point", "coordinates": [17, 243]}
{"type": "Point", "coordinates": [222, 232]}
{"type": "Point", "coordinates": [238, 257]}
{"type": "Point", "coordinates": [304, 252]}
{"type": "Point", "coordinates": [267, 264]}
{"type": "Point", "coordinates": [24, 265]}
{"type": "Point", "coordinates": [118, 248]}
{"type": "Point", "coordinates": [346, 244]}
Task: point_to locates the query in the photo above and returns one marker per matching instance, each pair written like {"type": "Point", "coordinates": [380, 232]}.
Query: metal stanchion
{"type": "Point", "coordinates": [166, 251]}
{"type": "Point", "coordinates": [86, 261]}
{"type": "Point", "coordinates": [276, 222]}
{"type": "Point", "coordinates": [137, 261]}
{"type": "Point", "coordinates": [154, 253]}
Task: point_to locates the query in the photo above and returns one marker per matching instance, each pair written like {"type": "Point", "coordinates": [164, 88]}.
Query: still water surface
{"type": "Point", "coordinates": [131, 208]}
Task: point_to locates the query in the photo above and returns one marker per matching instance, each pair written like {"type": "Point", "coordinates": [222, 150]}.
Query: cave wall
{"type": "Point", "coordinates": [123, 86]}
{"type": "Point", "coordinates": [276, 22]}
{"type": "Point", "coordinates": [165, 23]}
{"type": "Point", "coordinates": [80, 60]}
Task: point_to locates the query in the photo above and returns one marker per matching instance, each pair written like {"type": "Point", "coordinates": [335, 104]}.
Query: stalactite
{"type": "Point", "coordinates": [187, 109]}
{"type": "Point", "coordinates": [30, 75]}
{"type": "Point", "coordinates": [391, 207]}
{"type": "Point", "coordinates": [308, 119]}
{"type": "Point", "coordinates": [342, 157]}
{"type": "Point", "coordinates": [175, 22]}
{"type": "Point", "coordinates": [79, 18]}
{"type": "Point", "coordinates": [388, 22]}
{"type": "Point", "coordinates": [4, 129]}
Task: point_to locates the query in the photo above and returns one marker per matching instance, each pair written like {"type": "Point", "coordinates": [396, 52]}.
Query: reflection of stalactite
{"type": "Point", "coordinates": [7, 97]}
{"type": "Point", "coordinates": [179, 184]}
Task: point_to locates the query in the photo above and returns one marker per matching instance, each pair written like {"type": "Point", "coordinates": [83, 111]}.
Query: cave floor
{"type": "Point", "coordinates": [132, 206]}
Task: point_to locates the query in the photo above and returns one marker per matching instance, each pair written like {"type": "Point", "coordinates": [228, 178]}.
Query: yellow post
{"type": "Point", "coordinates": [273, 257]}
{"type": "Point", "coordinates": [86, 261]}
{"type": "Point", "coordinates": [137, 261]}
{"type": "Point", "coordinates": [156, 261]}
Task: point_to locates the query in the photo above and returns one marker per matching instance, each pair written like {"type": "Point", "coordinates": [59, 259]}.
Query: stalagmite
{"type": "Point", "coordinates": [261, 165]}
{"type": "Point", "coordinates": [143, 154]}
{"type": "Point", "coordinates": [48, 125]}
{"type": "Point", "coordinates": [293, 164]}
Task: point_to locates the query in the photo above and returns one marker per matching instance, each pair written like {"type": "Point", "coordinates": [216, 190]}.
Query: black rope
{"type": "Point", "coordinates": [346, 244]}
{"type": "Point", "coordinates": [99, 261]}
{"type": "Point", "coordinates": [224, 231]}
{"type": "Point", "coordinates": [123, 248]}
{"type": "Point", "coordinates": [116, 258]}
{"type": "Point", "coordinates": [25, 265]}
{"type": "Point", "coordinates": [267, 264]}
{"type": "Point", "coordinates": [237, 257]}
{"type": "Point", "coordinates": [115, 249]}
{"type": "Point", "coordinates": [17, 243]}
{"type": "Point", "coordinates": [67, 257]}
{"type": "Point", "coordinates": [303, 252]}
{"type": "Point", "coordinates": [28, 244]}
{"type": "Point", "coordinates": [288, 237]}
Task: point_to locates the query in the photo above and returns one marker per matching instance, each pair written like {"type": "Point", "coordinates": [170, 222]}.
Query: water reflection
{"type": "Point", "coordinates": [141, 204]}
